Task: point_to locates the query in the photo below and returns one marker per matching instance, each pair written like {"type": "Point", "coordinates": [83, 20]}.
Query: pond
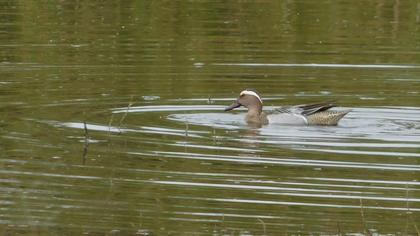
{"type": "Point", "coordinates": [112, 118]}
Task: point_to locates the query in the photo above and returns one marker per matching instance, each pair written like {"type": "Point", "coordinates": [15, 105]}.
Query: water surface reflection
{"type": "Point", "coordinates": [111, 118]}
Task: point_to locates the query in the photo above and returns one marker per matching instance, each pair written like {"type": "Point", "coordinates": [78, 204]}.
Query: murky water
{"type": "Point", "coordinates": [112, 121]}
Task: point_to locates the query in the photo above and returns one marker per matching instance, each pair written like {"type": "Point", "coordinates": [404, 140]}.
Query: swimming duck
{"type": "Point", "coordinates": [306, 114]}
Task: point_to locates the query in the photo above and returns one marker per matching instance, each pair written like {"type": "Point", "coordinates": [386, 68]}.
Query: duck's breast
{"type": "Point", "coordinates": [287, 119]}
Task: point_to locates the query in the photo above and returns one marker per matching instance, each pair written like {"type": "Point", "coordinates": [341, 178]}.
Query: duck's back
{"type": "Point", "coordinates": [307, 114]}
{"type": "Point", "coordinates": [326, 117]}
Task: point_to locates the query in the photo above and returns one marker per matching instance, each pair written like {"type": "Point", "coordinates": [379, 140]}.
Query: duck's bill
{"type": "Point", "coordinates": [233, 106]}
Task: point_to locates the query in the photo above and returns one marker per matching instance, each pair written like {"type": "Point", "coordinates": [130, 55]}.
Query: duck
{"type": "Point", "coordinates": [304, 114]}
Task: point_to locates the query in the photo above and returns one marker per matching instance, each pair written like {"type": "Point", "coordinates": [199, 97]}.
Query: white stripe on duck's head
{"type": "Point", "coordinates": [248, 98]}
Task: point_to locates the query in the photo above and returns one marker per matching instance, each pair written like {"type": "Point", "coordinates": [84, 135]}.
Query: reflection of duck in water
{"type": "Point", "coordinates": [308, 114]}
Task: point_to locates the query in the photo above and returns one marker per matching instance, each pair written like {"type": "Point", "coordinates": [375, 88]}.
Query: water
{"type": "Point", "coordinates": [112, 121]}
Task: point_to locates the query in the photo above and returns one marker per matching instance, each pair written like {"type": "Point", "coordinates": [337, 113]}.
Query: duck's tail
{"type": "Point", "coordinates": [326, 117]}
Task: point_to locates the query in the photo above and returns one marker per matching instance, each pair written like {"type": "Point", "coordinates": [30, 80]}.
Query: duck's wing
{"type": "Point", "coordinates": [304, 109]}
{"type": "Point", "coordinates": [309, 109]}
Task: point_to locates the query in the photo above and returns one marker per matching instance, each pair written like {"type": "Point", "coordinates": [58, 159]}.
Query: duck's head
{"type": "Point", "coordinates": [248, 98]}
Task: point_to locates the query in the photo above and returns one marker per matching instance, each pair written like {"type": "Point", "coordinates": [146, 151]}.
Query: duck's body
{"type": "Point", "coordinates": [310, 114]}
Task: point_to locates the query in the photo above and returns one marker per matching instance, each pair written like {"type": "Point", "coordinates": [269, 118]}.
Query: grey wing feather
{"type": "Point", "coordinates": [285, 109]}
{"type": "Point", "coordinates": [309, 109]}
{"type": "Point", "coordinates": [304, 109]}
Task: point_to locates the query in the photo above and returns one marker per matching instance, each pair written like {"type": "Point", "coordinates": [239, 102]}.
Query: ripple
{"type": "Point", "coordinates": [219, 160]}
{"type": "Point", "coordinates": [284, 161]}
{"type": "Point", "coordinates": [371, 66]}
{"type": "Point", "coordinates": [168, 108]}
{"type": "Point", "coordinates": [290, 203]}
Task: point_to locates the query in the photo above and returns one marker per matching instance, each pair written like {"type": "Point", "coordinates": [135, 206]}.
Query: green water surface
{"type": "Point", "coordinates": [112, 121]}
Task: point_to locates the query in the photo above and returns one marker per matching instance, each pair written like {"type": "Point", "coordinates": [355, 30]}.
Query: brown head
{"type": "Point", "coordinates": [249, 99]}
